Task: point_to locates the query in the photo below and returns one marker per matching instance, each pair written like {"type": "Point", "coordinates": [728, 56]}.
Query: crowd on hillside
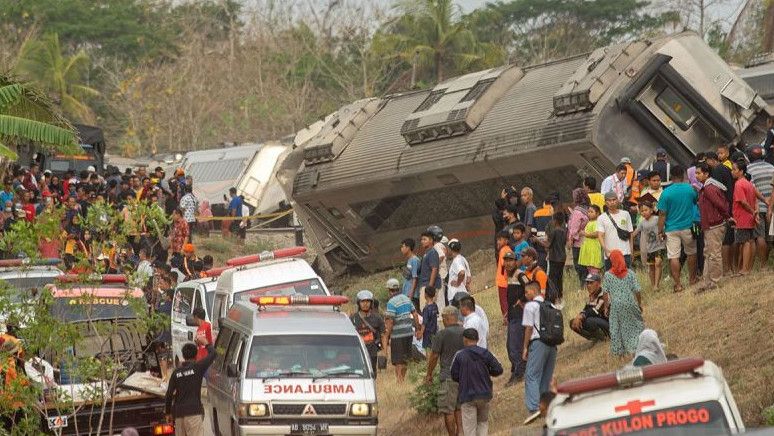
{"type": "Point", "coordinates": [712, 219]}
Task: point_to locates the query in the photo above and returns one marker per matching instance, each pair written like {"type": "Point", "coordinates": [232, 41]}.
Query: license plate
{"type": "Point", "coordinates": [309, 428]}
{"type": "Point", "coordinates": [57, 422]}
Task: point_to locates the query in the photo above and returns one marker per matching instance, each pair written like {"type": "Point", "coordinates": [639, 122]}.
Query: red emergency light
{"type": "Point", "coordinates": [266, 255]}
{"type": "Point", "coordinates": [629, 376]}
{"type": "Point", "coordinates": [99, 278]}
{"type": "Point", "coordinates": [29, 262]}
{"type": "Point", "coordinates": [162, 429]}
{"type": "Point", "coordinates": [300, 300]}
{"type": "Point", "coordinates": [216, 272]}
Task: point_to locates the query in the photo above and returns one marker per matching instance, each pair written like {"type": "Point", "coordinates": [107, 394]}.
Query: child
{"type": "Point", "coordinates": [591, 252]}
{"type": "Point", "coordinates": [651, 241]}
{"type": "Point", "coordinates": [429, 319]}
{"type": "Point", "coordinates": [520, 237]}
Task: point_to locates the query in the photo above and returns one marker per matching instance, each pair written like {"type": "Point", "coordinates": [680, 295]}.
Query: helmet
{"type": "Point", "coordinates": [436, 231]}
{"type": "Point", "coordinates": [393, 284]}
{"type": "Point", "coordinates": [365, 295]}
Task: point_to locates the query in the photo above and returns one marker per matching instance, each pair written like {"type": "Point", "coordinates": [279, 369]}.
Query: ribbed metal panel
{"type": "Point", "coordinates": [521, 120]}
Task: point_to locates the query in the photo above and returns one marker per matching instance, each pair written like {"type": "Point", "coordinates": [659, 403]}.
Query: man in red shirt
{"type": "Point", "coordinates": [744, 215]}
{"type": "Point", "coordinates": [713, 210]}
{"type": "Point", "coordinates": [204, 330]}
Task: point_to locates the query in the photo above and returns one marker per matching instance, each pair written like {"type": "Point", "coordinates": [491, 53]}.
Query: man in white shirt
{"type": "Point", "coordinates": [615, 183]}
{"type": "Point", "coordinates": [474, 321]}
{"type": "Point", "coordinates": [608, 225]}
{"type": "Point", "coordinates": [443, 269]}
{"type": "Point", "coordinates": [459, 271]}
{"type": "Point", "coordinates": [540, 357]}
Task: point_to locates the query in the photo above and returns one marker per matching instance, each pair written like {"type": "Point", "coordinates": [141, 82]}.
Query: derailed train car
{"type": "Point", "coordinates": [383, 169]}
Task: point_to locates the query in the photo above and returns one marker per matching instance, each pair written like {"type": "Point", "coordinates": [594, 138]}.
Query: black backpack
{"type": "Point", "coordinates": [551, 328]}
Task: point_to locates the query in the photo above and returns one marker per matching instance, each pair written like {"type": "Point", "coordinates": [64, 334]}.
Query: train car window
{"type": "Point", "coordinates": [676, 108]}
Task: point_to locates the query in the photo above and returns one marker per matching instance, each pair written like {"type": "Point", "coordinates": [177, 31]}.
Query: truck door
{"type": "Point", "coordinates": [185, 301]}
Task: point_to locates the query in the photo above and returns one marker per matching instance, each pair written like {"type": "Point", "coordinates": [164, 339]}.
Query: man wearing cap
{"type": "Point", "coordinates": [445, 345]}
{"type": "Point", "coordinates": [400, 319]}
{"type": "Point", "coordinates": [612, 225]}
{"type": "Point", "coordinates": [533, 270]}
{"type": "Point", "coordinates": [459, 271]}
{"type": "Point", "coordinates": [761, 175]}
{"type": "Point", "coordinates": [593, 321]}
{"type": "Point", "coordinates": [662, 166]}
{"type": "Point", "coordinates": [515, 332]}
{"type": "Point", "coordinates": [473, 368]}
{"type": "Point", "coordinates": [369, 325]}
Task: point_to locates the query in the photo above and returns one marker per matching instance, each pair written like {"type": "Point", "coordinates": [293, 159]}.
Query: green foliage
{"type": "Point", "coordinates": [21, 239]}
{"type": "Point", "coordinates": [424, 398]}
{"type": "Point", "coordinates": [768, 416]}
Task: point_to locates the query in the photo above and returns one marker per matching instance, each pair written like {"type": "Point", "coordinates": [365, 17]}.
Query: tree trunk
{"type": "Point", "coordinates": [768, 28]}
{"type": "Point", "coordinates": [438, 67]}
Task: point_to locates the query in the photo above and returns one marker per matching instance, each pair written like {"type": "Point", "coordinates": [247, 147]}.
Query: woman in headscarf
{"type": "Point", "coordinates": [575, 230]}
{"type": "Point", "coordinates": [204, 218]}
{"type": "Point", "coordinates": [649, 349]}
{"type": "Point", "coordinates": [625, 306]}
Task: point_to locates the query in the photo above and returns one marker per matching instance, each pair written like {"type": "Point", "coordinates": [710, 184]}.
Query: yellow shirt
{"type": "Point", "coordinates": [597, 199]}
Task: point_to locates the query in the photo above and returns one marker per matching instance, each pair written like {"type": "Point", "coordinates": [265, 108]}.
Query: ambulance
{"type": "Point", "coordinates": [201, 293]}
{"type": "Point", "coordinates": [292, 365]}
{"type": "Point", "coordinates": [685, 396]}
{"type": "Point", "coordinates": [277, 273]}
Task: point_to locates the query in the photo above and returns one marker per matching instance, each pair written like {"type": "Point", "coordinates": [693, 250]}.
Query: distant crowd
{"type": "Point", "coordinates": [712, 219]}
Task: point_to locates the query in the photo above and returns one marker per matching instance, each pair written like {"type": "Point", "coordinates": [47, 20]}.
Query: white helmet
{"type": "Point", "coordinates": [365, 295]}
{"type": "Point", "coordinates": [393, 284]}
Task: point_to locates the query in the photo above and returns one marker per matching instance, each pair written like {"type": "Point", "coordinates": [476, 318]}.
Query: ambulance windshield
{"type": "Point", "coordinates": [706, 418]}
{"type": "Point", "coordinates": [306, 356]}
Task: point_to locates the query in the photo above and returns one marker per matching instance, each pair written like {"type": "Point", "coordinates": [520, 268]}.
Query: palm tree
{"type": "Point", "coordinates": [62, 77]}
{"type": "Point", "coordinates": [431, 33]}
{"type": "Point", "coordinates": [28, 116]}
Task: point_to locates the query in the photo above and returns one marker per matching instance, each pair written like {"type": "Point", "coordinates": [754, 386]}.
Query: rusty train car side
{"type": "Point", "coordinates": [382, 169]}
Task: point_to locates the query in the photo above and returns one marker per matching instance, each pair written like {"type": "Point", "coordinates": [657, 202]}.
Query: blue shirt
{"type": "Point", "coordinates": [430, 320]}
{"type": "Point", "coordinates": [677, 201]}
{"type": "Point", "coordinates": [410, 272]}
{"type": "Point", "coordinates": [5, 196]}
{"type": "Point", "coordinates": [429, 261]}
{"type": "Point", "coordinates": [399, 309]}
{"type": "Point", "coordinates": [236, 205]}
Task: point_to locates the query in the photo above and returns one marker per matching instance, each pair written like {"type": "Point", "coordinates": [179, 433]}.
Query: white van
{"type": "Point", "coordinates": [288, 369]}
{"type": "Point", "coordinates": [286, 276]}
{"type": "Point", "coordinates": [685, 396]}
{"type": "Point", "coordinates": [188, 296]}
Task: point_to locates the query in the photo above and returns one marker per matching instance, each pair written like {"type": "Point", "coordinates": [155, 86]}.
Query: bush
{"type": "Point", "coordinates": [424, 398]}
{"type": "Point", "coordinates": [768, 415]}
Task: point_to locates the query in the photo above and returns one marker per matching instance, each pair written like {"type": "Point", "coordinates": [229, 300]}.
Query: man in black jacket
{"type": "Point", "coordinates": [473, 368]}
{"type": "Point", "coordinates": [184, 402]}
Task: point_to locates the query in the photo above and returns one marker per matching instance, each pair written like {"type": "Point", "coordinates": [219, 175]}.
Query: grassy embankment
{"type": "Point", "coordinates": [732, 326]}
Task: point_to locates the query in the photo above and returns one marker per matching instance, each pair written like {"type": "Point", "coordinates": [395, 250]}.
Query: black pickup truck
{"type": "Point", "coordinates": [108, 330]}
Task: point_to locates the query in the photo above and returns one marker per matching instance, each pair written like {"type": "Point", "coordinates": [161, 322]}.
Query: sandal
{"type": "Point", "coordinates": [677, 289]}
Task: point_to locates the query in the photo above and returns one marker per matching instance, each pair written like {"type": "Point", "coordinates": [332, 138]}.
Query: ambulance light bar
{"type": "Point", "coordinates": [266, 255]}
{"type": "Point", "coordinates": [99, 278]}
{"type": "Point", "coordinates": [629, 376]}
{"type": "Point", "coordinates": [29, 262]}
{"type": "Point", "coordinates": [216, 272]}
{"type": "Point", "coordinates": [300, 300]}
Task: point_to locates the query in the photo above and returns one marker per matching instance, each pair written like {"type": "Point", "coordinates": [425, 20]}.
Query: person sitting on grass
{"type": "Point", "coordinates": [649, 349]}
{"type": "Point", "coordinates": [593, 321]}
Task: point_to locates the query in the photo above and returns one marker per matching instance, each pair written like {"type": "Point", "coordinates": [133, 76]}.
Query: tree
{"type": "Point", "coordinates": [63, 77]}
{"type": "Point", "coordinates": [431, 35]}
{"type": "Point", "coordinates": [545, 30]}
{"type": "Point", "coordinates": [28, 116]}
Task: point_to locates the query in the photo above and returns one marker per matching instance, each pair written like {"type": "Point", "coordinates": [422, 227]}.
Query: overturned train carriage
{"type": "Point", "coordinates": [383, 169]}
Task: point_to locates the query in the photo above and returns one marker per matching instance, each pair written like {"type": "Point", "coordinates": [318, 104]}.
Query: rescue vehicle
{"type": "Point", "coordinates": [105, 314]}
{"type": "Point", "coordinates": [23, 279]}
{"type": "Point", "coordinates": [269, 273]}
{"type": "Point", "coordinates": [685, 396]}
{"type": "Point", "coordinates": [292, 365]}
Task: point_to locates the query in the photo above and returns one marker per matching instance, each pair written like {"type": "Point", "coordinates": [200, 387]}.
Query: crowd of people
{"type": "Point", "coordinates": [711, 220]}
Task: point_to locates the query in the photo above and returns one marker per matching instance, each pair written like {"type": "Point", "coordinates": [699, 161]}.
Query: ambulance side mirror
{"type": "Point", "coordinates": [232, 371]}
{"type": "Point", "coordinates": [335, 292]}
